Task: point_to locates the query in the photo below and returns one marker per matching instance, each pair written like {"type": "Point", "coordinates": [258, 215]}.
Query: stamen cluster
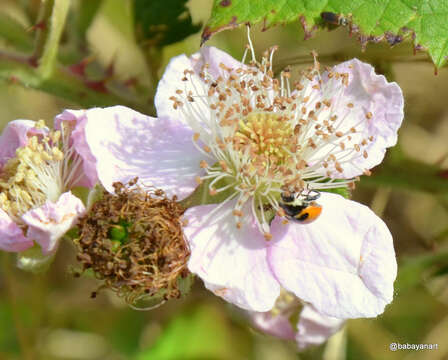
{"type": "Point", "coordinates": [41, 170]}
{"type": "Point", "coordinates": [133, 240]}
{"type": "Point", "coordinates": [264, 138]}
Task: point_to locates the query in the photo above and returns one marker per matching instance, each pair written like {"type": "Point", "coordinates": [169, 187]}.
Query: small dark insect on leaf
{"type": "Point", "coordinates": [334, 19]}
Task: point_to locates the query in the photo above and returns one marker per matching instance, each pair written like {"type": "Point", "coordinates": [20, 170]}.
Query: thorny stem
{"type": "Point", "coordinates": [53, 78]}
{"type": "Point", "coordinates": [52, 23]}
{"type": "Point", "coordinates": [23, 338]}
{"type": "Point", "coordinates": [62, 83]}
{"type": "Point", "coordinates": [42, 27]}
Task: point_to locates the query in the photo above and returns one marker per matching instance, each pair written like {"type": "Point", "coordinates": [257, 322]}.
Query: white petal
{"type": "Point", "coordinates": [77, 120]}
{"type": "Point", "coordinates": [371, 95]}
{"type": "Point", "coordinates": [47, 223]}
{"type": "Point", "coordinates": [343, 263]}
{"type": "Point", "coordinates": [314, 328]}
{"type": "Point", "coordinates": [214, 58]}
{"type": "Point", "coordinates": [11, 235]}
{"type": "Point", "coordinates": [15, 135]}
{"type": "Point", "coordinates": [127, 144]}
{"type": "Point", "coordinates": [231, 262]}
{"type": "Point", "coordinates": [276, 325]}
{"type": "Point", "coordinates": [172, 81]}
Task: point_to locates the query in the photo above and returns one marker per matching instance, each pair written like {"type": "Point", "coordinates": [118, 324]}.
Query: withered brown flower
{"type": "Point", "coordinates": [133, 241]}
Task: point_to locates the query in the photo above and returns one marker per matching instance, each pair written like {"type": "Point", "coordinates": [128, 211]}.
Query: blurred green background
{"type": "Point", "coordinates": [51, 316]}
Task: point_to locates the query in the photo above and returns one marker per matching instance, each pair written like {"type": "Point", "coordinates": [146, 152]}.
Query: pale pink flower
{"type": "Point", "coordinates": [310, 327]}
{"type": "Point", "coordinates": [38, 168]}
{"type": "Point", "coordinates": [249, 138]}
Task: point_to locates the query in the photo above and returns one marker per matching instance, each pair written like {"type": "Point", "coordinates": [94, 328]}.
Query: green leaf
{"type": "Point", "coordinates": [371, 20]}
{"type": "Point", "coordinates": [412, 271]}
{"type": "Point", "coordinates": [15, 34]}
{"type": "Point", "coordinates": [164, 22]}
{"type": "Point", "coordinates": [408, 174]}
{"type": "Point", "coordinates": [199, 334]}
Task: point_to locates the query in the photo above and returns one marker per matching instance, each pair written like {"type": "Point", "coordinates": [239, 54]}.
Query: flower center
{"type": "Point", "coordinates": [267, 135]}
{"type": "Point", "coordinates": [40, 171]}
{"type": "Point", "coordinates": [263, 139]}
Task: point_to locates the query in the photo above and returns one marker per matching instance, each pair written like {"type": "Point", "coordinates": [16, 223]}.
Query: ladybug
{"type": "Point", "coordinates": [301, 209]}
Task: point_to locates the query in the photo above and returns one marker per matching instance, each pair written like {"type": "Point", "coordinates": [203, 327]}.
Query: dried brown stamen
{"type": "Point", "coordinates": [133, 240]}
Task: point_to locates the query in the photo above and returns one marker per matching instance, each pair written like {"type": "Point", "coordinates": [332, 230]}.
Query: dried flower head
{"type": "Point", "coordinates": [133, 240]}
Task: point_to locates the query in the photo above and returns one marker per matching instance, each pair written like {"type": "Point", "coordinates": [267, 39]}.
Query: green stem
{"type": "Point", "coordinates": [52, 20]}
{"type": "Point", "coordinates": [42, 27]}
{"type": "Point", "coordinates": [63, 83]}
{"type": "Point", "coordinates": [22, 335]}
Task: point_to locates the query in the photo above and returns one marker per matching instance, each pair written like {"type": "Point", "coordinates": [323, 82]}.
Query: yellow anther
{"type": "Point", "coordinates": [55, 136]}
{"type": "Point", "coordinates": [39, 158]}
{"type": "Point", "coordinates": [32, 176]}
{"type": "Point", "coordinates": [265, 133]}
{"type": "Point", "coordinates": [58, 154]}
{"type": "Point", "coordinates": [32, 143]}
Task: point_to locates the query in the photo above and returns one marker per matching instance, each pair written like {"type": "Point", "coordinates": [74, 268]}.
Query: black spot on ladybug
{"type": "Point", "coordinates": [303, 217]}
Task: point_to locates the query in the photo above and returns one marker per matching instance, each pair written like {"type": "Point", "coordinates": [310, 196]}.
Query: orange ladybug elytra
{"type": "Point", "coordinates": [302, 209]}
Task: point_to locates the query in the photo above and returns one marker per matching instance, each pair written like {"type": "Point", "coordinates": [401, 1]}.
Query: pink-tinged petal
{"type": "Point", "coordinates": [215, 58]}
{"type": "Point", "coordinates": [11, 236]}
{"type": "Point", "coordinates": [47, 223]}
{"type": "Point", "coordinates": [169, 85]}
{"type": "Point", "coordinates": [276, 325]}
{"type": "Point", "coordinates": [127, 144]}
{"type": "Point", "coordinates": [231, 262]}
{"type": "Point", "coordinates": [371, 105]}
{"type": "Point", "coordinates": [172, 81]}
{"type": "Point", "coordinates": [77, 120]}
{"type": "Point", "coordinates": [14, 135]}
{"type": "Point", "coordinates": [314, 328]}
{"type": "Point", "coordinates": [343, 263]}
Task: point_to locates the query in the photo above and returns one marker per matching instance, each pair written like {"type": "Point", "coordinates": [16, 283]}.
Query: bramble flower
{"type": "Point", "coordinates": [38, 169]}
{"type": "Point", "coordinates": [251, 139]}
{"type": "Point", "coordinates": [290, 321]}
